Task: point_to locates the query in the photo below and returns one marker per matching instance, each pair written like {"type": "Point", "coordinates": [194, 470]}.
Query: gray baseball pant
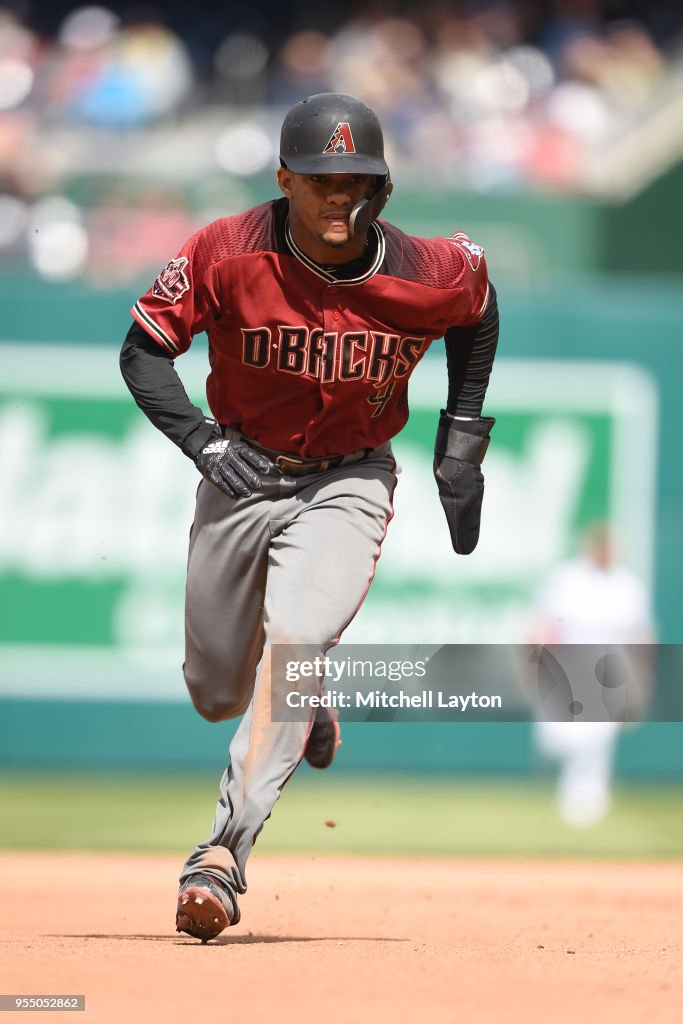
{"type": "Point", "coordinates": [290, 564]}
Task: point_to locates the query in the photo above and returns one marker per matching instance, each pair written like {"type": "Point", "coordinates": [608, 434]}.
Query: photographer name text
{"type": "Point", "coordinates": [398, 699]}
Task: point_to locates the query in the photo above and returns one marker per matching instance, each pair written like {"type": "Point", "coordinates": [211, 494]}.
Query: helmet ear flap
{"type": "Point", "coordinates": [367, 210]}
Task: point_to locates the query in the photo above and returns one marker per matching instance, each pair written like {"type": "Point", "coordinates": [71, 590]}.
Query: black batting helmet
{"type": "Point", "coordinates": [330, 133]}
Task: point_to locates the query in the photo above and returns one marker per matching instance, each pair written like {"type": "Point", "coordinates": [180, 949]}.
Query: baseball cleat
{"type": "Point", "coordinates": [205, 907]}
{"type": "Point", "coordinates": [324, 739]}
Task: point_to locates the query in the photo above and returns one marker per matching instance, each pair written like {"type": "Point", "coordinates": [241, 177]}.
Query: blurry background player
{"type": "Point", "coordinates": [590, 599]}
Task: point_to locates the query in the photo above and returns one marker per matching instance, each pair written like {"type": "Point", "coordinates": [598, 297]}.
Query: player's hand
{"type": "Point", "coordinates": [458, 453]}
{"type": "Point", "coordinates": [232, 466]}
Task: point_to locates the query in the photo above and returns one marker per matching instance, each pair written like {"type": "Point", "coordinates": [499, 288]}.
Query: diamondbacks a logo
{"type": "Point", "coordinates": [172, 282]}
{"type": "Point", "coordinates": [341, 140]}
{"type": "Point", "coordinates": [470, 249]}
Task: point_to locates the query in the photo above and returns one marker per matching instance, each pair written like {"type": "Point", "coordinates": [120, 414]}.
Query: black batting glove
{"type": "Point", "coordinates": [458, 453]}
{"type": "Point", "coordinates": [232, 466]}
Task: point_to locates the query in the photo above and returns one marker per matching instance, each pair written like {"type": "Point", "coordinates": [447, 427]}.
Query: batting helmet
{"type": "Point", "coordinates": [331, 133]}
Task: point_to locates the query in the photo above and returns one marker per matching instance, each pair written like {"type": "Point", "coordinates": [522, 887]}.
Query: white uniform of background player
{"type": "Point", "coordinates": [588, 600]}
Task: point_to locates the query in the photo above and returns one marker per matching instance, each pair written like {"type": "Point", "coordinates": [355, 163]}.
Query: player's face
{"type": "Point", "coordinates": [319, 209]}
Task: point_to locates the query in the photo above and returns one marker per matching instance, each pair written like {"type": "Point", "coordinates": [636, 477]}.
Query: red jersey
{"type": "Point", "coordinates": [302, 361]}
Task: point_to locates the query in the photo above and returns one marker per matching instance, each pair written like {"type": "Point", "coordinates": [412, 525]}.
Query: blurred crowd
{"type": "Point", "coordinates": [116, 125]}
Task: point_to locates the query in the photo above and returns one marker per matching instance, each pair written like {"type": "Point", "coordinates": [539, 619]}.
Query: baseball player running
{"type": "Point", "coordinates": [316, 314]}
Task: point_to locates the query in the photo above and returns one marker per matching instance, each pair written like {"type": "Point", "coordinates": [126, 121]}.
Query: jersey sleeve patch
{"type": "Point", "coordinates": [172, 282]}
{"type": "Point", "coordinates": [472, 252]}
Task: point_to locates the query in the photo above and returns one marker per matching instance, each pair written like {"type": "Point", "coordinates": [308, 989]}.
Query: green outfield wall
{"type": "Point", "coordinates": [79, 735]}
{"type": "Point", "coordinates": [95, 507]}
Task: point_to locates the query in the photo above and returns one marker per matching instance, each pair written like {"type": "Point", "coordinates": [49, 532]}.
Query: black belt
{"type": "Point", "coordinates": [291, 465]}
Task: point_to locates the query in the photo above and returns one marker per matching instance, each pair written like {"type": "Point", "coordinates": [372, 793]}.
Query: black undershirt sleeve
{"type": "Point", "coordinates": [158, 390]}
{"type": "Point", "coordinates": [469, 355]}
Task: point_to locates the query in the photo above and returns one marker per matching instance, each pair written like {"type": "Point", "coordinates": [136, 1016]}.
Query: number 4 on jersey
{"type": "Point", "coordinates": [380, 399]}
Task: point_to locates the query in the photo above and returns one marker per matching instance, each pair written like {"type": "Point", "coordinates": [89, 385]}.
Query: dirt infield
{"type": "Point", "coordinates": [350, 940]}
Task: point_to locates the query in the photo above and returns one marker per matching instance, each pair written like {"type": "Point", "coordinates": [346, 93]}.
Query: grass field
{"type": "Point", "coordinates": [327, 815]}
